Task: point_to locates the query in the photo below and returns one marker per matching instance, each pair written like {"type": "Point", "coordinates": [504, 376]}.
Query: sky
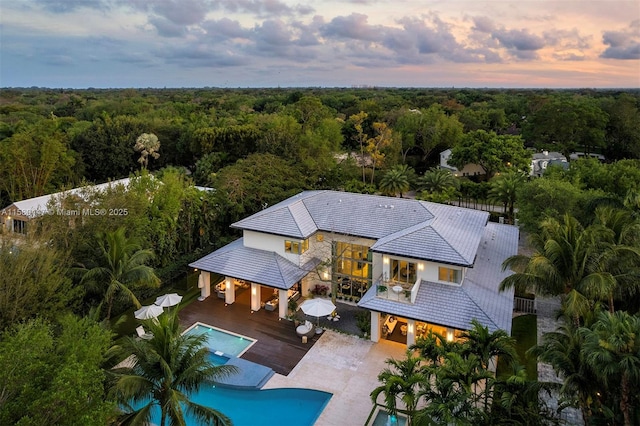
{"type": "Point", "coordinates": [320, 43]}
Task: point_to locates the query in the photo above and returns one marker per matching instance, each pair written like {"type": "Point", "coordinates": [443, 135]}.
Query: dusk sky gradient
{"type": "Point", "coordinates": [291, 43]}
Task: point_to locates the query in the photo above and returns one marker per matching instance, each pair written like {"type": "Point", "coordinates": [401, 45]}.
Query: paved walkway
{"type": "Point", "coordinates": [346, 366]}
{"type": "Point", "coordinates": [547, 309]}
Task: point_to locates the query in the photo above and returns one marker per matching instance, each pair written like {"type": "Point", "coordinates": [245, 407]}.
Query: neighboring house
{"type": "Point", "coordinates": [468, 169]}
{"type": "Point", "coordinates": [15, 218]}
{"type": "Point", "coordinates": [579, 155]}
{"type": "Point", "coordinates": [541, 160]}
{"type": "Point", "coordinates": [414, 264]}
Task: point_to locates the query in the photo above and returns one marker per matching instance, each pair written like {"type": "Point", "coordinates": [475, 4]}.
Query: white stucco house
{"type": "Point", "coordinates": [468, 169]}
{"type": "Point", "coordinates": [414, 265]}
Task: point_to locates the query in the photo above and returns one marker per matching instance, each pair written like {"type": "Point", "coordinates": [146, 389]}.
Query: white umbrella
{"type": "Point", "coordinates": [148, 312]}
{"type": "Point", "coordinates": [317, 307]}
{"type": "Point", "coordinates": [167, 300]}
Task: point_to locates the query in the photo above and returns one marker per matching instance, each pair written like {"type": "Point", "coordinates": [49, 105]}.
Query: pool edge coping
{"type": "Point", "coordinates": [251, 339]}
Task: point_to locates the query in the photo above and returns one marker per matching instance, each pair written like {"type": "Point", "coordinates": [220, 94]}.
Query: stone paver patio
{"type": "Point", "coordinates": [346, 366]}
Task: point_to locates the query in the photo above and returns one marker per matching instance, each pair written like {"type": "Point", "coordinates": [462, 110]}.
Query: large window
{"type": "Point", "coordinates": [296, 247]}
{"type": "Point", "coordinates": [403, 271]}
{"type": "Point", "coordinates": [449, 275]}
{"type": "Point", "coordinates": [351, 268]}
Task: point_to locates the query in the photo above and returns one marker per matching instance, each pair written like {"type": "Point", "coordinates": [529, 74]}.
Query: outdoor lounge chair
{"type": "Point", "coordinates": [142, 333]}
{"type": "Point", "coordinates": [306, 329]}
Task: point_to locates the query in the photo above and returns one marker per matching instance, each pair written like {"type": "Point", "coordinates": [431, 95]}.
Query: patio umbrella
{"type": "Point", "coordinates": [148, 312]}
{"type": "Point", "coordinates": [317, 307]}
{"type": "Point", "coordinates": [167, 300]}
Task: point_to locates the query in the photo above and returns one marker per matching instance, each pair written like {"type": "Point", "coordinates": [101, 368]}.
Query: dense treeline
{"type": "Point", "coordinates": [256, 147]}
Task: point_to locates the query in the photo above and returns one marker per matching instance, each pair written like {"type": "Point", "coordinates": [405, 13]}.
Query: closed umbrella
{"type": "Point", "coordinates": [167, 300]}
{"type": "Point", "coordinates": [317, 307]}
{"type": "Point", "coordinates": [148, 312]}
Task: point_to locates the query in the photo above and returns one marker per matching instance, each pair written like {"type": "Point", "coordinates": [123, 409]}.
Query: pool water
{"type": "Point", "coordinates": [272, 407]}
{"type": "Point", "coordinates": [383, 418]}
{"type": "Point", "coordinates": [217, 360]}
{"type": "Point", "coordinates": [222, 341]}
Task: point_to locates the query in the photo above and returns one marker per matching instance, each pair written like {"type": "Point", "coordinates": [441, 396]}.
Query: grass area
{"type": "Point", "coordinates": [525, 330]}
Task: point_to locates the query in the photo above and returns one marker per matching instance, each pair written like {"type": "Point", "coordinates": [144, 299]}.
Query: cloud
{"type": "Point", "coordinates": [624, 44]}
{"type": "Point", "coordinates": [66, 6]}
{"type": "Point", "coordinates": [520, 40]}
{"type": "Point", "coordinates": [354, 26]}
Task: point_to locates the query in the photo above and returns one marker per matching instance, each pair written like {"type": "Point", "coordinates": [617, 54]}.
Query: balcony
{"type": "Point", "coordinates": [397, 291]}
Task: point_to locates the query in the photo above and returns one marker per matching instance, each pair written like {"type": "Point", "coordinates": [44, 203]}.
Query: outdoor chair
{"type": "Point", "coordinates": [142, 333]}
{"type": "Point", "coordinates": [306, 329]}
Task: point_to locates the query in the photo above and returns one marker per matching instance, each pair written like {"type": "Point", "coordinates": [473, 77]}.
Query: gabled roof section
{"type": "Point", "coordinates": [289, 218]}
{"type": "Point", "coordinates": [403, 227]}
{"type": "Point", "coordinates": [478, 298]}
{"type": "Point", "coordinates": [258, 266]}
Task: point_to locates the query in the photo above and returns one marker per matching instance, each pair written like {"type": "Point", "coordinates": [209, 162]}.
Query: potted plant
{"type": "Point", "coordinates": [293, 307]}
{"type": "Point", "coordinates": [382, 288]}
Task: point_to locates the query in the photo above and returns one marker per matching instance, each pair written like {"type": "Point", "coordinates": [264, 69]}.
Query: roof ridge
{"type": "Point", "coordinates": [447, 241]}
{"type": "Point", "coordinates": [464, 290]}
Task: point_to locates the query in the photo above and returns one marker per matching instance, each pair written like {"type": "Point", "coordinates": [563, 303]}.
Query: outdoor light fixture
{"type": "Point", "coordinates": [420, 267]}
{"type": "Point", "coordinates": [410, 328]}
{"type": "Point", "coordinates": [253, 291]}
{"type": "Point", "coordinates": [325, 275]}
{"type": "Point", "coordinates": [385, 260]}
{"type": "Point", "coordinates": [449, 335]}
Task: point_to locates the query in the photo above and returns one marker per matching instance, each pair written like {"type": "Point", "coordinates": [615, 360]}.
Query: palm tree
{"type": "Point", "coordinates": [164, 371]}
{"type": "Point", "coordinates": [562, 349]}
{"type": "Point", "coordinates": [563, 263]}
{"type": "Point", "coordinates": [437, 180]}
{"type": "Point", "coordinates": [121, 264]}
{"type": "Point", "coordinates": [434, 347]}
{"type": "Point", "coordinates": [147, 145]}
{"type": "Point", "coordinates": [397, 180]}
{"type": "Point", "coordinates": [503, 190]}
{"type": "Point", "coordinates": [612, 349]}
{"type": "Point", "coordinates": [485, 345]}
{"type": "Point", "coordinates": [401, 379]}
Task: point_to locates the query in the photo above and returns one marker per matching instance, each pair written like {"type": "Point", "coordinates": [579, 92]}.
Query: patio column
{"type": "Point", "coordinates": [204, 282]}
{"type": "Point", "coordinates": [283, 303]}
{"type": "Point", "coordinates": [375, 326]}
{"type": "Point", "coordinates": [411, 332]}
{"type": "Point", "coordinates": [229, 291]}
{"type": "Point", "coordinates": [255, 296]}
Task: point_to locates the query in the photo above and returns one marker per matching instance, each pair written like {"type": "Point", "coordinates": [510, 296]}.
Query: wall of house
{"type": "Point", "coordinates": [270, 242]}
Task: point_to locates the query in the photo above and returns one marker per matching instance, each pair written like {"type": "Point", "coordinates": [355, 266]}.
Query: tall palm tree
{"type": "Point", "coordinates": [612, 349]}
{"type": "Point", "coordinates": [121, 265]}
{"type": "Point", "coordinates": [147, 145]}
{"type": "Point", "coordinates": [503, 190]}
{"type": "Point", "coordinates": [562, 349]}
{"type": "Point", "coordinates": [401, 380]}
{"type": "Point", "coordinates": [434, 347]}
{"type": "Point", "coordinates": [397, 180]}
{"type": "Point", "coordinates": [164, 371]}
{"type": "Point", "coordinates": [486, 346]}
{"type": "Point", "coordinates": [563, 263]}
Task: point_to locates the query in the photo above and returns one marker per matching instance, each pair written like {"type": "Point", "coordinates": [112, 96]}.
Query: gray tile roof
{"type": "Point", "coordinates": [478, 297]}
{"type": "Point", "coordinates": [259, 266]}
{"type": "Point", "coordinates": [404, 227]}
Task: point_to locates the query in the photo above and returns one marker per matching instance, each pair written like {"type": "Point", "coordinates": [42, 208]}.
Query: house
{"type": "Point", "coordinates": [15, 218]}
{"type": "Point", "coordinates": [416, 266]}
{"type": "Point", "coordinates": [467, 170]}
{"type": "Point", "coordinates": [541, 160]}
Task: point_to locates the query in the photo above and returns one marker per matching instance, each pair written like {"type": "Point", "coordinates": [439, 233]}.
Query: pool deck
{"type": "Point", "coordinates": [278, 346]}
{"type": "Point", "coordinates": [342, 364]}
{"type": "Point", "coordinates": [346, 366]}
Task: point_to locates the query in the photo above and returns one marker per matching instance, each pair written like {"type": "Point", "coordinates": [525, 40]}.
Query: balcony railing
{"type": "Point", "coordinates": [397, 291]}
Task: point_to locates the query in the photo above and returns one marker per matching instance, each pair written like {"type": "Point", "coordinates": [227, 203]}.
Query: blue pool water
{"type": "Point", "coordinates": [217, 360]}
{"type": "Point", "coordinates": [272, 407]}
{"type": "Point", "coordinates": [222, 341]}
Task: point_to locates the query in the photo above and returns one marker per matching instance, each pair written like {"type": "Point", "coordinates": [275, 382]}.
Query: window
{"type": "Point", "coordinates": [351, 268]}
{"type": "Point", "coordinates": [403, 271]}
{"type": "Point", "coordinates": [19, 226]}
{"type": "Point", "coordinates": [449, 275]}
{"type": "Point", "coordinates": [296, 247]}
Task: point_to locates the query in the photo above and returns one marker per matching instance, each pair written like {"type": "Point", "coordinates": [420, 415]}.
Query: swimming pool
{"type": "Point", "coordinates": [219, 340]}
{"type": "Point", "coordinates": [272, 407]}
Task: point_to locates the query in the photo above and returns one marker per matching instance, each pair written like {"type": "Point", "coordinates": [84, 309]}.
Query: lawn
{"type": "Point", "coordinates": [525, 330]}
